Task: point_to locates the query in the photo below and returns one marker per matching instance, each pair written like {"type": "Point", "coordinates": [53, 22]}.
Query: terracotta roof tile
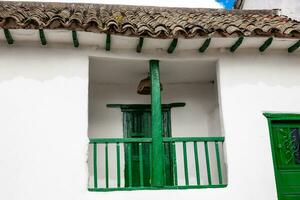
{"type": "Point", "coordinates": [146, 21]}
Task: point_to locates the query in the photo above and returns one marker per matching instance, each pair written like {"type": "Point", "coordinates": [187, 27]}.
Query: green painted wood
{"type": "Point", "coordinates": [266, 44]}
{"type": "Point", "coordinates": [144, 107]}
{"type": "Point", "coordinates": [236, 45]}
{"type": "Point", "coordinates": [173, 45]}
{"type": "Point", "coordinates": [129, 165]}
{"type": "Point", "coordinates": [108, 42]}
{"type": "Point", "coordinates": [141, 164]}
{"type": "Point", "coordinates": [174, 163]}
{"type": "Point", "coordinates": [150, 162]}
{"type": "Point", "coordinates": [207, 163]}
{"type": "Point", "coordinates": [185, 160]}
{"type": "Point", "coordinates": [149, 140]}
{"type": "Point", "coordinates": [197, 163]}
{"type": "Point", "coordinates": [9, 38]}
{"type": "Point", "coordinates": [180, 187]}
{"type": "Point", "coordinates": [140, 45]}
{"type": "Point", "coordinates": [75, 39]}
{"type": "Point", "coordinates": [106, 166]}
{"type": "Point", "coordinates": [284, 129]}
{"type": "Point", "coordinates": [95, 165]}
{"type": "Point", "coordinates": [118, 166]}
{"type": "Point", "coordinates": [218, 163]}
{"type": "Point", "coordinates": [294, 47]}
{"type": "Point", "coordinates": [156, 126]}
{"type": "Point", "coordinates": [42, 37]}
{"type": "Point", "coordinates": [120, 140]}
{"type": "Point", "coordinates": [205, 45]}
{"type": "Point", "coordinates": [282, 116]}
{"type": "Point", "coordinates": [194, 139]}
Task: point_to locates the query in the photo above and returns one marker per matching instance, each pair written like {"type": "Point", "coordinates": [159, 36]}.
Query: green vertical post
{"type": "Point", "coordinates": [207, 163]}
{"type": "Point", "coordinates": [218, 163]}
{"type": "Point", "coordinates": [141, 164]}
{"type": "Point", "coordinates": [156, 127]}
{"type": "Point", "coordinates": [106, 165]}
{"type": "Point", "coordinates": [118, 166]}
{"type": "Point", "coordinates": [197, 163]}
{"type": "Point", "coordinates": [186, 169]}
{"type": "Point", "coordinates": [95, 165]}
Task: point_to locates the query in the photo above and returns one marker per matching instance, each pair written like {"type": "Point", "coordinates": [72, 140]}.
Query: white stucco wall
{"type": "Point", "coordinates": [195, 119]}
{"type": "Point", "coordinates": [290, 8]}
{"type": "Point", "coordinates": [251, 83]}
{"type": "Point", "coordinates": [44, 123]}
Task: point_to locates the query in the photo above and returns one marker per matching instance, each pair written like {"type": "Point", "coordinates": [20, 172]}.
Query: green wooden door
{"type": "Point", "coordinates": [285, 140]}
{"type": "Point", "coordinates": [137, 124]}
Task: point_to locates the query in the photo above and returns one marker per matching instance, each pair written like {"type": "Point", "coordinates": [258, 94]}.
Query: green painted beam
{"type": "Point", "coordinates": [266, 44]}
{"type": "Point", "coordinates": [193, 139]}
{"type": "Point", "coordinates": [75, 39]}
{"type": "Point", "coordinates": [173, 45]}
{"type": "Point", "coordinates": [236, 45]}
{"type": "Point", "coordinates": [108, 42]}
{"type": "Point", "coordinates": [42, 37]}
{"type": "Point", "coordinates": [294, 47]}
{"type": "Point", "coordinates": [140, 45]}
{"type": "Point", "coordinates": [205, 45]}
{"type": "Point", "coordinates": [120, 140]}
{"type": "Point", "coordinates": [156, 127]}
{"type": "Point", "coordinates": [8, 36]}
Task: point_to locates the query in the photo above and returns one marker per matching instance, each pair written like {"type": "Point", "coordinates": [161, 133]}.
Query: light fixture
{"type": "Point", "coordinates": [144, 87]}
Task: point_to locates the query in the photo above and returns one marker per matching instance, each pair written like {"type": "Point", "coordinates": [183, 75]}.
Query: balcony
{"type": "Point", "coordinates": [126, 164]}
{"type": "Point", "coordinates": [169, 139]}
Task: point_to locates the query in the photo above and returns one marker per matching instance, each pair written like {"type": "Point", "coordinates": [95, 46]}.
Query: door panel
{"type": "Point", "coordinates": [285, 145]}
{"type": "Point", "coordinates": [137, 124]}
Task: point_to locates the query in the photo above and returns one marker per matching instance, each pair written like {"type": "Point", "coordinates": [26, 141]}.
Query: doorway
{"type": "Point", "coordinates": [285, 143]}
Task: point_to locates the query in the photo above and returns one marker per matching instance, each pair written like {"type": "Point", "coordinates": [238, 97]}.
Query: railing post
{"type": "Point", "coordinates": [156, 128]}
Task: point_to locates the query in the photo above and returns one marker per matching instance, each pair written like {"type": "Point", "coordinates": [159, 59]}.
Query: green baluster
{"type": "Point", "coordinates": [186, 170]}
{"type": "Point", "coordinates": [218, 163]}
{"type": "Point", "coordinates": [95, 165]}
{"type": "Point", "coordinates": [207, 163]}
{"type": "Point", "coordinates": [197, 163]}
{"type": "Point", "coordinates": [118, 166]}
{"type": "Point", "coordinates": [141, 164]}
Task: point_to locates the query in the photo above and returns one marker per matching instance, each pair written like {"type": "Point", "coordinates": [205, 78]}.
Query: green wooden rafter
{"type": "Point", "coordinates": [173, 45]}
{"type": "Point", "coordinates": [236, 45]}
{"type": "Point", "coordinates": [294, 47]}
{"type": "Point", "coordinates": [108, 42]}
{"type": "Point", "coordinates": [8, 36]}
{"type": "Point", "coordinates": [266, 44]}
{"type": "Point", "coordinates": [205, 45]}
{"type": "Point", "coordinates": [75, 39]}
{"type": "Point", "coordinates": [42, 37]}
{"type": "Point", "coordinates": [140, 45]}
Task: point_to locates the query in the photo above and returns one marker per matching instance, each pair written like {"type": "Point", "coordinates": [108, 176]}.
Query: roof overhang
{"type": "Point", "coordinates": [146, 28]}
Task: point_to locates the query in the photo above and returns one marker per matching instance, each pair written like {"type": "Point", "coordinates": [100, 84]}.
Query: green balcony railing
{"type": "Point", "coordinates": [126, 164]}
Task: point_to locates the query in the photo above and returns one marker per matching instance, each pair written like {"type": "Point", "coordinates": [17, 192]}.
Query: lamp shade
{"type": "Point", "coordinates": [144, 87]}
